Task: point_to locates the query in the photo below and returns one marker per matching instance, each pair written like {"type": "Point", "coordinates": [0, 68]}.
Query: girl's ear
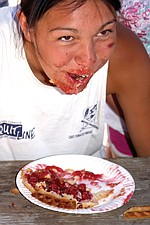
{"type": "Point", "coordinates": [24, 25]}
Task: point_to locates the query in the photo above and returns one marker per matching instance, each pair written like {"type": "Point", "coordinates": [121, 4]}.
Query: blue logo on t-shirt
{"type": "Point", "coordinates": [88, 122]}
{"type": "Point", "coordinates": [89, 117]}
{"type": "Point", "coordinates": [15, 131]}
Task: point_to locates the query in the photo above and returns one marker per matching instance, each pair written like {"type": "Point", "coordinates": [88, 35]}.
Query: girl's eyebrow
{"type": "Point", "coordinates": [106, 24]}
{"type": "Point", "coordinates": [76, 31]}
{"type": "Point", "coordinates": [64, 28]}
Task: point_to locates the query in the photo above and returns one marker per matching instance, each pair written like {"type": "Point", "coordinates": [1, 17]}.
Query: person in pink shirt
{"type": "Point", "coordinates": [135, 15]}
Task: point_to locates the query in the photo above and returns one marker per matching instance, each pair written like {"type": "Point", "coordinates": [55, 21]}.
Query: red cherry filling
{"type": "Point", "coordinates": [82, 174]}
{"type": "Point", "coordinates": [62, 182]}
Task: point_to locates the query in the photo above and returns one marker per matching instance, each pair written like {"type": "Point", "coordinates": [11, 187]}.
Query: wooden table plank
{"type": "Point", "coordinates": [15, 209]}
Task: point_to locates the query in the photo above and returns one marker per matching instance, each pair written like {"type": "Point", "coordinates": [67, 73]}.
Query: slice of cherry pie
{"type": "Point", "coordinates": [64, 188]}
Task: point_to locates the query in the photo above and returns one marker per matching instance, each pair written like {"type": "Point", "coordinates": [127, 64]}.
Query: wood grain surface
{"type": "Point", "coordinates": [15, 209]}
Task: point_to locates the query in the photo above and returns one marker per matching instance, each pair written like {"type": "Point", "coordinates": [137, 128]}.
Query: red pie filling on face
{"type": "Point", "coordinates": [72, 83]}
{"type": "Point", "coordinates": [64, 188]}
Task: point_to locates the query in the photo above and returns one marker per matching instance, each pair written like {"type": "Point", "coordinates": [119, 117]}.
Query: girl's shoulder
{"type": "Point", "coordinates": [127, 59]}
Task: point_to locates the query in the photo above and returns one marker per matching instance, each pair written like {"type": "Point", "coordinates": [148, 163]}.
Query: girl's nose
{"type": "Point", "coordinates": [86, 55]}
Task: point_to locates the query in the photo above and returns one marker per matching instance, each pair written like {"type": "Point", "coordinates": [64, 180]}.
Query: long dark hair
{"type": "Point", "coordinates": [35, 9]}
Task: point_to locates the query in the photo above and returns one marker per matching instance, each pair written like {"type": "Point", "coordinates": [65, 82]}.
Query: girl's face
{"type": "Point", "coordinates": [69, 47]}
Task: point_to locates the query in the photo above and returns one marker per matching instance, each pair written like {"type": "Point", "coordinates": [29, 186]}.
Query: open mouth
{"type": "Point", "coordinates": [78, 77]}
{"type": "Point", "coordinates": [72, 83]}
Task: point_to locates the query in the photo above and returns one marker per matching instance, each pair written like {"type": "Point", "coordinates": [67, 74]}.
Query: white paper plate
{"type": "Point", "coordinates": [112, 173]}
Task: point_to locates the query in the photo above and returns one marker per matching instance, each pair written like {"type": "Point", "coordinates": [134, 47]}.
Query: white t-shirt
{"type": "Point", "coordinates": [37, 120]}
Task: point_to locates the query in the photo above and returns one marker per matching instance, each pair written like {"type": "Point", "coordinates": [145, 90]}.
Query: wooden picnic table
{"type": "Point", "coordinates": [16, 209]}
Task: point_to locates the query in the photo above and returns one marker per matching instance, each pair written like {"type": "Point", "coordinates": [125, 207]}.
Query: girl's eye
{"type": "Point", "coordinates": [104, 33]}
{"type": "Point", "coordinates": [66, 38]}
